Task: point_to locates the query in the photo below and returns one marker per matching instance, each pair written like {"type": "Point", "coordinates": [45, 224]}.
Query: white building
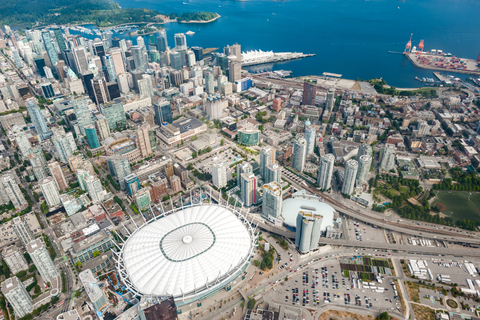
{"type": "Point", "coordinates": [219, 175]}
{"type": "Point", "coordinates": [310, 137]}
{"type": "Point", "coordinates": [272, 201]}
{"type": "Point", "coordinates": [50, 191]}
{"type": "Point", "coordinates": [95, 189]}
{"type": "Point", "coordinates": [14, 259]}
{"type": "Point", "coordinates": [388, 158]}
{"type": "Point", "coordinates": [325, 172]}
{"type": "Point", "coordinates": [351, 168]}
{"type": "Point", "coordinates": [22, 230]}
{"type": "Point", "coordinates": [299, 154]}
{"type": "Point", "coordinates": [17, 295]}
{"type": "Point", "coordinates": [41, 258]}
{"type": "Point", "coordinates": [363, 169]}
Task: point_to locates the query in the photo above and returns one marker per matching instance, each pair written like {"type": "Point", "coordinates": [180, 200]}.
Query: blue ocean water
{"type": "Point", "coordinates": [350, 37]}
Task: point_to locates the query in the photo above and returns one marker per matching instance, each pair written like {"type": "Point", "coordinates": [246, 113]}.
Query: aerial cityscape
{"type": "Point", "coordinates": [148, 173]}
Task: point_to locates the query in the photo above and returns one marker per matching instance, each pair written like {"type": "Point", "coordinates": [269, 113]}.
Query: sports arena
{"type": "Point", "coordinates": [188, 253]}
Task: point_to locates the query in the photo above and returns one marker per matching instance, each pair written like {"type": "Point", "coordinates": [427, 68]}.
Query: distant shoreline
{"type": "Point", "coordinates": [201, 21]}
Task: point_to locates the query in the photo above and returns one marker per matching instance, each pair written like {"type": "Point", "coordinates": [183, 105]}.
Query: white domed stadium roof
{"type": "Point", "coordinates": [192, 250]}
{"type": "Point", "coordinates": [302, 202]}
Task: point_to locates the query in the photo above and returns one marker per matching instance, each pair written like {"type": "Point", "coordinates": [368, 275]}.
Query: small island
{"type": "Point", "coordinates": [102, 13]}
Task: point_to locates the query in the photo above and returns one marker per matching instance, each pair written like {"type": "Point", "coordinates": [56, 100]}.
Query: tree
{"type": "Point", "coordinates": [190, 166]}
{"type": "Point", "coordinates": [222, 142]}
{"type": "Point", "coordinates": [384, 316]}
{"type": "Point", "coordinates": [260, 127]}
{"type": "Point", "coordinates": [251, 303]}
{"type": "Point", "coordinates": [194, 154]}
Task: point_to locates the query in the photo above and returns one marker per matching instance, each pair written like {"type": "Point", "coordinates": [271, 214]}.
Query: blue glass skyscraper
{"type": "Point", "coordinates": [50, 47]}
{"type": "Point", "coordinates": [163, 112]}
{"type": "Point", "coordinates": [162, 43]}
{"type": "Point", "coordinates": [92, 137]}
{"type": "Point", "coordinates": [37, 119]}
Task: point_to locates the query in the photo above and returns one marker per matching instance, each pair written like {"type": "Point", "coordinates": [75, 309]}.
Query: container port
{"type": "Point", "coordinates": [256, 57]}
{"type": "Point", "coordinates": [439, 60]}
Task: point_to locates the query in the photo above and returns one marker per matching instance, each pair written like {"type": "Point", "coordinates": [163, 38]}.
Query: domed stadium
{"type": "Point", "coordinates": [188, 254]}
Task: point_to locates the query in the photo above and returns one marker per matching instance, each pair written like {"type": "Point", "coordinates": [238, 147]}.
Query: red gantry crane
{"type": "Point", "coordinates": [408, 47]}
{"type": "Point", "coordinates": [420, 47]}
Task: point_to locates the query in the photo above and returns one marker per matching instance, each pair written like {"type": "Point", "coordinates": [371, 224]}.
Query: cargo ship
{"type": "Point", "coordinates": [256, 57]}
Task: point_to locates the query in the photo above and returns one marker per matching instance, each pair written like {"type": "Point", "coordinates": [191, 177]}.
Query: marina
{"type": "Point", "coordinates": [256, 57]}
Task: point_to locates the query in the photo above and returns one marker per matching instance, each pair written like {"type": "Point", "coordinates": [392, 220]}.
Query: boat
{"type": "Point", "coordinates": [189, 33]}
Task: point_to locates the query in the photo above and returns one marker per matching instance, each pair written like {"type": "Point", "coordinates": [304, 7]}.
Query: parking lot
{"type": "Point", "coordinates": [359, 231]}
{"type": "Point", "coordinates": [322, 282]}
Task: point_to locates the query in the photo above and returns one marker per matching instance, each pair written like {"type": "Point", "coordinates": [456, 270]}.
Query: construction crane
{"type": "Point", "coordinates": [420, 47]}
{"type": "Point", "coordinates": [478, 58]}
{"type": "Point", "coordinates": [408, 47]}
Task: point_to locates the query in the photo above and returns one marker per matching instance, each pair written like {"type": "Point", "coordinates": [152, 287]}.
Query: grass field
{"type": "Point", "coordinates": [460, 205]}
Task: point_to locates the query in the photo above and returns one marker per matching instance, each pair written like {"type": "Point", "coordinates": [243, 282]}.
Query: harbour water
{"type": "Point", "coordinates": [350, 37]}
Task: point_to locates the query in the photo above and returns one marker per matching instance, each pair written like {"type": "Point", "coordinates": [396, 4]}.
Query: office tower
{"type": "Point", "coordinates": [123, 80]}
{"type": "Point", "coordinates": [116, 54]}
{"type": "Point", "coordinates": [14, 259]}
{"type": "Point", "coordinates": [363, 169]}
{"type": "Point", "coordinates": [234, 71]}
{"type": "Point", "coordinates": [325, 172]}
{"type": "Point", "coordinates": [82, 112]}
{"type": "Point", "coordinates": [267, 157]}
{"type": "Point", "coordinates": [162, 42]}
{"type": "Point", "coordinates": [80, 55]}
{"type": "Point", "coordinates": [180, 41]}
{"type": "Point", "coordinates": [243, 168]}
{"type": "Point", "coordinates": [38, 167]}
{"type": "Point", "coordinates": [330, 101]}
{"type": "Point", "coordinates": [16, 58]}
{"type": "Point", "coordinates": [299, 154]}
{"type": "Point", "coordinates": [22, 230]}
{"type": "Point", "coordinates": [364, 149]}
{"type": "Point", "coordinates": [388, 158]}
{"type": "Point", "coordinates": [107, 39]}
{"type": "Point", "coordinates": [98, 48]}
{"type": "Point", "coordinates": [48, 42]}
{"type": "Point", "coordinates": [209, 85]}
{"type": "Point", "coordinates": [41, 258]}
{"type": "Point", "coordinates": [351, 168]}
{"type": "Point", "coordinates": [94, 188]}
{"type": "Point", "coordinates": [37, 119]}
{"type": "Point", "coordinates": [13, 191]}
{"type": "Point", "coordinates": [99, 86]}
{"type": "Point", "coordinates": [309, 92]}
{"type": "Point", "coordinates": [59, 38]}
{"type": "Point", "coordinates": [234, 50]}
{"type": "Point", "coordinates": [132, 184]}
{"type": "Point", "coordinates": [47, 90]}
{"type": "Point", "coordinates": [308, 230]}
{"type": "Point", "coordinates": [140, 41]}
{"type": "Point", "coordinates": [110, 68]}
{"type": "Point", "coordinates": [145, 87]}
{"type": "Point", "coordinates": [92, 138]}
{"type": "Point", "coordinates": [219, 175]}
{"type": "Point", "coordinates": [102, 127]}
{"type": "Point", "coordinates": [16, 294]}
{"type": "Point", "coordinates": [175, 183]}
{"type": "Point", "coordinates": [310, 137]}
{"type": "Point", "coordinates": [23, 143]}
{"type": "Point", "coordinates": [163, 112]}
{"type": "Point", "coordinates": [272, 200]}
{"type": "Point", "coordinates": [50, 191]}
{"type": "Point", "coordinates": [190, 59]}
{"type": "Point", "coordinates": [40, 64]}
{"type": "Point", "coordinates": [142, 140]}
{"type": "Point", "coordinates": [139, 55]}
{"type": "Point", "coordinates": [87, 78]}
{"type": "Point", "coordinates": [176, 60]}
{"type": "Point", "coordinates": [57, 174]}
{"type": "Point", "coordinates": [119, 168]}
{"type": "Point", "coordinates": [115, 115]}
{"type": "Point", "coordinates": [70, 60]}
{"type": "Point", "coordinates": [273, 173]}
{"type": "Point", "coordinates": [82, 174]}
{"type": "Point", "coordinates": [64, 145]}
{"type": "Point", "coordinates": [198, 53]}
{"type": "Point", "coordinates": [248, 189]}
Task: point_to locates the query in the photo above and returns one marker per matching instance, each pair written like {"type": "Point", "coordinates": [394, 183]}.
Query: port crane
{"type": "Point", "coordinates": [408, 47]}
{"type": "Point", "coordinates": [478, 58]}
{"type": "Point", "coordinates": [420, 47]}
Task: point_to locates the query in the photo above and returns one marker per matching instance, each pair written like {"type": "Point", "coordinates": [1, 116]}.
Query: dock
{"type": "Point", "coordinates": [444, 63]}
{"type": "Point", "coordinates": [253, 58]}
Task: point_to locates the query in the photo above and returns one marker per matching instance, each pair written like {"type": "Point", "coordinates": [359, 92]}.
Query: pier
{"type": "Point", "coordinates": [444, 63]}
{"type": "Point", "coordinates": [257, 57]}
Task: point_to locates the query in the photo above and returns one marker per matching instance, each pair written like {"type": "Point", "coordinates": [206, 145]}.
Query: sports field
{"type": "Point", "coordinates": [459, 205]}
